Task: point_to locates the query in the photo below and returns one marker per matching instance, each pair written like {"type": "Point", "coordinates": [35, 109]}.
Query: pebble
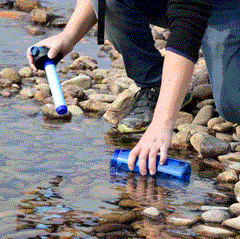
{"type": "Point", "coordinates": [232, 223]}
{"type": "Point", "coordinates": [182, 219]}
{"type": "Point", "coordinates": [235, 209]}
{"type": "Point", "coordinates": [151, 212]}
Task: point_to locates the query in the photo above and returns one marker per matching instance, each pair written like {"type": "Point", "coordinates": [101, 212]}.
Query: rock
{"type": "Point", "coordinates": [71, 101]}
{"type": "Point", "coordinates": [41, 95]}
{"type": "Point", "coordinates": [230, 165]}
{"type": "Point", "coordinates": [128, 203]}
{"type": "Point", "coordinates": [207, 208]}
{"type": "Point", "coordinates": [6, 93]}
{"type": "Point", "coordinates": [213, 232]}
{"type": "Point", "coordinates": [127, 217]}
{"type": "Point", "coordinates": [152, 212]}
{"type": "Point", "coordinates": [197, 139]}
{"type": "Point", "coordinates": [40, 16]}
{"type": "Point", "coordinates": [237, 188]}
{"type": "Point", "coordinates": [5, 83]}
{"type": "Point", "coordinates": [74, 55]}
{"type": "Point", "coordinates": [202, 92]}
{"type": "Point", "coordinates": [235, 209]}
{"type": "Point", "coordinates": [25, 72]}
{"type": "Point", "coordinates": [59, 22]}
{"type": "Point", "coordinates": [27, 5]}
{"type": "Point", "coordinates": [12, 75]}
{"type": "Point", "coordinates": [182, 219]}
{"type": "Point", "coordinates": [181, 140]}
{"type": "Point", "coordinates": [215, 216]}
{"type": "Point", "coordinates": [212, 163]}
{"type": "Point", "coordinates": [204, 115]}
{"type": "Point", "coordinates": [27, 93]}
{"type": "Point", "coordinates": [6, 4]}
{"type": "Point", "coordinates": [193, 128]}
{"type": "Point", "coordinates": [49, 111]}
{"type": "Point", "coordinates": [74, 91]}
{"type": "Point", "coordinates": [206, 102]}
{"type": "Point", "coordinates": [118, 64]}
{"type": "Point", "coordinates": [103, 97]}
{"type": "Point", "coordinates": [94, 106]}
{"type": "Point", "coordinates": [223, 127]}
{"type": "Point", "coordinates": [116, 89]}
{"type": "Point", "coordinates": [75, 110]}
{"type": "Point", "coordinates": [109, 227]}
{"type": "Point", "coordinates": [233, 223]}
{"type": "Point", "coordinates": [82, 81]}
{"type": "Point", "coordinates": [183, 118]}
{"type": "Point", "coordinates": [229, 176]}
{"type": "Point", "coordinates": [234, 146]}
{"type": "Point", "coordinates": [34, 30]}
{"type": "Point", "coordinates": [211, 146]}
{"type": "Point", "coordinates": [224, 137]}
{"type": "Point", "coordinates": [214, 121]}
{"type": "Point", "coordinates": [98, 75]}
{"type": "Point", "coordinates": [238, 131]}
{"type": "Point", "coordinates": [235, 157]}
{"type": "Point", "coordinates": [120, 107]}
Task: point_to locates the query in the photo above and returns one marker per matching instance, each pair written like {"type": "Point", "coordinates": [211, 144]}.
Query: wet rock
{"type": "Point", "coordinates": [25, 72]}
{"type": "Point", "coordinates": [204, 115]}
{"type": "Point", "coordinates": [43, 87]}
{"type": "Point", "coordinates": [223, 127]}
{"type": "Point", "coordinates": [215, 232]}
{"type": "Point", "coordinates": [34, 30]}
{"type": "Point", "coordinates": [128, 203]}
{"type": "Point", "coordinates": [82, 81]}
{"type": "Point", "coordinates": [27, 5]}
{"type": "Point", "coordinates": [152, 212]}
{"type": "Point", "coordinates": [6, 4]}
{"type": "Point", "coordinates": [203, 91]}
{"type": "Point", "coordinates": [211, 146]}
{"type": "Point", "coordinates": [235, 209]}
{"type": "Point", "coordinates": [94, 106]}
{"type": "Point", "coordinates": [41, 95]}
{"type": "Point", "coordinates": [232, 223]}
{"type": "Point", "coordinates": [75, 110]}
{"type": "Point", "coordinates": [27, 93]}
{"type": "Point", "coordinates": [26, 234]}
{"type": "Point", "coordinates": [49, 111]}
{"type": "Point", "coordinates": [127, 217]}
{"type": "Point", "coordinates": [6, 93]}
{"type": "Point", "coordinates": [205, 102]}
{"type": "Point", "coordinates": [120, 107]}
{"type": "Point", "coordinates": [182, 219]}
{"type": "Point", "coordinates": [229, 176]}
{"type": "Point", "coordinates": [109, 227]}
{"type": "Point", "coordinates": [103, 97]}
{"type": "Point", "coordinates": [136, 225]}
{"type": "Point", "coordinates": [215, 216]}
{"type": "Point", "coordinates": [4, 83]}
{"type": "Point", "coordinates": [192, 128]}
{"type": "Point", "coordinates": [74, 91]}
{"type": "Point", "coordinates": [74, 55]}
{"type": "Point", "coordinates": [230, 165]}
{"type": "Point", "coordinates": [12, 75]}
{"type": "Point", "coordinates": [212, 163]}
{"type": "Point", "coordinates": [197, 139]}
{"type": "Point", "coordinates": [207, 208]}
{"type": "Point", "coordinates": [59, 22]}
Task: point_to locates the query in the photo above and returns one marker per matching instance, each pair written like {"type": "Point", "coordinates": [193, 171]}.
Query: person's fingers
{"type": "Point", "coordinates": [143, 156]}
{"type": "Point", "coordinates": [132, 157]}
{"type": "Point", "coordinates": [53, 51]}
{"type": "Point", "coordinates": [152, 160]}
{"type": "Point", "coordinates": [163, 154]}
{"type": "Point", "coordinates": [30, 60]}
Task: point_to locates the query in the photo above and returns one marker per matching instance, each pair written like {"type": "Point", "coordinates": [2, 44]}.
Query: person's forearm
{"type": "Point", "coordinates": [177, 73]}
{"type": "Point", "coordinates": [81, 21]}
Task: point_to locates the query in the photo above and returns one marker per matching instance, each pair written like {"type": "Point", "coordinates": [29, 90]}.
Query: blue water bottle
{"type": "Point", "coordinates": [42, 62]}
{"type": "Point", "coordinates": [172, 167]}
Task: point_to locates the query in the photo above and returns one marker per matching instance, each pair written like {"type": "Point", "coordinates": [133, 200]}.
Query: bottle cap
{"type": "Point", "coordinates": [61, 110]}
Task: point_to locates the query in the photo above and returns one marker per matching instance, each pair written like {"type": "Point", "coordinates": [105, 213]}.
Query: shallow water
{"type": "Point", "coordinates": [33, 151]}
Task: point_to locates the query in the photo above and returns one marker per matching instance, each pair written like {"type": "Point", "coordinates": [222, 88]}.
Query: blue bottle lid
{"type": "Point", "coordinates": [61, 110]}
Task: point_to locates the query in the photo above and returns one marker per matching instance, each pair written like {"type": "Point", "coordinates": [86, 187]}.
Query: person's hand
{"type": "Point", "coordinates": [157, 138]}
{"type": "Point", "coordinates": [56, 44]}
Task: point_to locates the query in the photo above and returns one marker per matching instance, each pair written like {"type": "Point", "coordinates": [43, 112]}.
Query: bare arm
{"type": "Point", "coordinates": [177, 72]}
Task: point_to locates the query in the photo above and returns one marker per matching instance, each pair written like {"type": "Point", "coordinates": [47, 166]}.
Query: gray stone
{"type": "Point", "coordinates": [205, 102]}
{"type": "Point", "coordinates": [235, 209]}
{"type": "Point", "coordinates": [82, 81]}
{"type": "Point", "coordinates": [103, 97]}
{"type": "Point", "coordinates": [182, 219]}
{"type": "Point", "coordinates": [12, 75]}
{"type": "Point", "coordinates": [203, 91]}
{"type": "Point", "coordinates": [232, 223]}
{"type": "Point", "coordinates": [229, 176]}
{"type": "Point", "coordinates": [207, 208]}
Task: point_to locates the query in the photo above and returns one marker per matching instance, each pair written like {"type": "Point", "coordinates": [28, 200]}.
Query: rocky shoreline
{"type": "Point", "coordinates": [109, 93]}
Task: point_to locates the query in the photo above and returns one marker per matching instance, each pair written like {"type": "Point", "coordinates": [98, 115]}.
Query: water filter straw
{"type": "Point", "coordinates": [42, 62]}
{"type": "Point", "coordinates": [173, 167]}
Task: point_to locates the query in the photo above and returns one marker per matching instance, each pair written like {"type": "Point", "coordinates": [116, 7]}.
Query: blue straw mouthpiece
{"type": "Point", "coordinates": [61, 110]}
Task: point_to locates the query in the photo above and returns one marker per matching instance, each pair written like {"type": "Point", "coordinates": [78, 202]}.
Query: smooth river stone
{"type": "Point", "coordinates": [182, 219]}
{"type": "Point", "coordinates": [233, 223]}
{"type": "Point", "coordinates": [217, 216]}
{"type": "Point", "coordinates": [235, 209]}
{"type": "Point", "coordinates": [215, 232]}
